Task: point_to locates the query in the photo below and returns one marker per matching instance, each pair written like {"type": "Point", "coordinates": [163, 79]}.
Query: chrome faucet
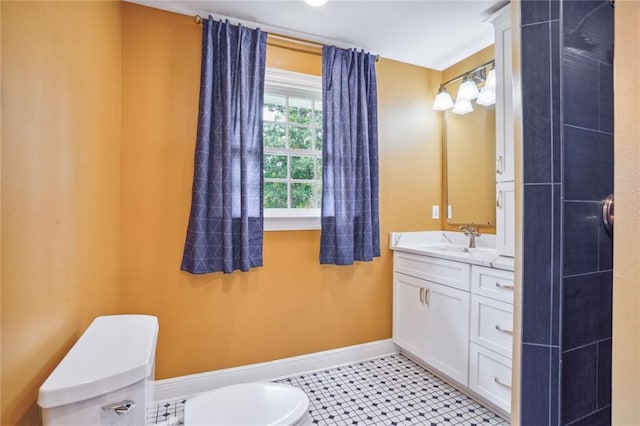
{"type": "Point", "coordinates": [471, 232]}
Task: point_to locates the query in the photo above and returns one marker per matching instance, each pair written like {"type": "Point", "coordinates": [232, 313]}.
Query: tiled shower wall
{"type": "Point", "coordinates": [567, 91]}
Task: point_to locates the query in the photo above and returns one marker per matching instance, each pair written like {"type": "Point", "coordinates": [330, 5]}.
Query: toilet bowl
{"type": "Point", "coordinates": [249, 404]}
{"type": "Point", "coordinates": [106, 379]}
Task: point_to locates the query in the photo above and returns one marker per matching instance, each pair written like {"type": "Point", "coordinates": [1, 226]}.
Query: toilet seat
{"type": "Point", "coordinates": [248, 404]}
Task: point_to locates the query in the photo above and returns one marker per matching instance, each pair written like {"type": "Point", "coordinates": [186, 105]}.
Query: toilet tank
{"type": "Point", "coordinates": [107, 376]}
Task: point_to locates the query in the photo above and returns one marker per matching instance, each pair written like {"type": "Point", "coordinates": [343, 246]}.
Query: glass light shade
{"type": "Point", "coordinates": [462, 106]}
{"type": "Point", "coordinates": [491, 79]}
{"type": "Point", "coordinates": [468, 90]}
{"type": "Point", "coordinates": [443, 100]}
{"type": "Point", "coordinates": [487, 96]}
{"type": "Point", "coordinates": [315, 2]}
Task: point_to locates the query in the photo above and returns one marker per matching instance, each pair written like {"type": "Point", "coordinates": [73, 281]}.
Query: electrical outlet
{"type": "Point", "coordinates": [435, 212]}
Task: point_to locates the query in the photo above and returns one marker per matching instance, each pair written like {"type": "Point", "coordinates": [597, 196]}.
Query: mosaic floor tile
{"type": "Point", "coordinates": [392, 390]}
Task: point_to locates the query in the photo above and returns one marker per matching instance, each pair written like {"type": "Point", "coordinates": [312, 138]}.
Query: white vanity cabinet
{"type": "Point", "coordinates": [456, 317]}
{"type": "Point", "coordinates": [505, 162]}
{"type": "Point", "coordinates": [505, 218]}
{"type": "Point", "coordinates": [431, 318]}
{"type": "Point", "coordinates": [491, 335]}
{"type": "Point", "coordinates": [504, 92]}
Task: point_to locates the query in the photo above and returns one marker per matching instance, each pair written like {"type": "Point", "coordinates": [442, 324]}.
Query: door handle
{"type": "Point", "coordinates": [607, 213]}
{"type": "Point", "coordinates": [422, 295]}
{"type": "Point", "coordinates": [427, 296]}
{"type": "Point", "coordinates": [499, 165]}
{"type": "Point", "coordinates": [499, 199]}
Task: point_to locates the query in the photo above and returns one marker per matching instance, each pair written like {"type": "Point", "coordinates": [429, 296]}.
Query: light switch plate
{"type": "Point", "coordinates": [435, 212]}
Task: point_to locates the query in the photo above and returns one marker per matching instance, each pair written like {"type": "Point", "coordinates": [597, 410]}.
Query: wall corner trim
{"type": "Point", "coordinates": [184, 386]}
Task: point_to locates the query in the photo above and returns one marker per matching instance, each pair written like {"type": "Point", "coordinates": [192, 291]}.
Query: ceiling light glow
{"type": "Point", "coordinates": [315, 3]}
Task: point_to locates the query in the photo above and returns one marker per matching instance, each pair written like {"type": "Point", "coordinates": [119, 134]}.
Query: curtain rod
{"type": "Point", "coordinates": [199, 19]}
{"type": "Point", "coordinates": [471, 71]}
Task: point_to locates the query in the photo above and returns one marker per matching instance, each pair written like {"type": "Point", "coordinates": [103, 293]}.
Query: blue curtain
{"type": "Point", "coordinates": [350, 224]}
{"type": "Point", "coordinates": [226, 221]}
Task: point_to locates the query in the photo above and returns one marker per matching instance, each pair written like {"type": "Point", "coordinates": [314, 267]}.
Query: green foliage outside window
{"type": "Point", "coordinates": [293, 152]}
{"type": "Point", "coordinates": [275, 195]}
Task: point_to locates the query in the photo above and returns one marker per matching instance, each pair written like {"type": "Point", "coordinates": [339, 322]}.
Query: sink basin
{"type": "Point", "coordinates": [444, 247]}
{"type": "Point", "coordinates": [453, 248]}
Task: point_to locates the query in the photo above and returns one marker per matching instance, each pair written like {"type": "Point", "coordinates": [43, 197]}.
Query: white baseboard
{"type": "Point", "coordinates": [184, 386]}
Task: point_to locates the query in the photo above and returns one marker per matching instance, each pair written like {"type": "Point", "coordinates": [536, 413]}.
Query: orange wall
{"type": "Point", "coordinates": [292, 305]}
{"type": "Point", "coordinates": [487, 159]}
{"type": "Point", "coordinates": [60, 186]}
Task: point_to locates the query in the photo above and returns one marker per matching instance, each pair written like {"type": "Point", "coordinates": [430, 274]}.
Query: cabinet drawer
{"type": "Point", "coordinates": [440, 271]}
{"type": "Point", "coordinates": [492, 324]}
{"type": "Point", "coordinates": [493, 283]}
{"type": "Point", "coordinates": [490, 376]}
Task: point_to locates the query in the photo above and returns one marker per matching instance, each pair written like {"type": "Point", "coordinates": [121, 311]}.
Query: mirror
{"type": "Point", "coordinates": [469, 154]}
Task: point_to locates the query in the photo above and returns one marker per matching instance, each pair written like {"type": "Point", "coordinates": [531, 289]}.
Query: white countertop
{"type": "Point", "coordinates": [451, 246]}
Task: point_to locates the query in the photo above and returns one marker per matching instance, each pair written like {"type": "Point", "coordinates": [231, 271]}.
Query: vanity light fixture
{"type": "Point", "coordinates": [462, 106]}
{"type": "Point", "coordinates": [491, 78]}
{"type": "Point", "coordinates": [443, 100]}
{"type": "Point", "coordinates": [468, 89]}
{"type": "Point", "coordinates": [315, 3]}
{"type": "Point", "coordinates": [487, 95]}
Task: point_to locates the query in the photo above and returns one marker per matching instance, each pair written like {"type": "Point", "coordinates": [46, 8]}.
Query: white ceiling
{"type": "Point", "coordinates": [431, 33]}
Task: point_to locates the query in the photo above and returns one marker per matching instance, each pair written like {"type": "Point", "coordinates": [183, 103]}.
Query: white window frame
{"type": "Point", "coordinates": [292, 84]}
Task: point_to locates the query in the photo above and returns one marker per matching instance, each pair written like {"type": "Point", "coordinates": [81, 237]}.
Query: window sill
{"type": "Point", "coordinates": [291, 222]}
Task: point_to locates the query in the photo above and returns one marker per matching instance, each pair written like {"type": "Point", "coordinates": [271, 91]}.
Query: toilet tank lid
{"type": "Point", "coordinates": [114, 352]}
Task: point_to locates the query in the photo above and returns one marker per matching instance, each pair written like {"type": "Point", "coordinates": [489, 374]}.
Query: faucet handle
{"type": "Point", "coordinates": [469, 230]}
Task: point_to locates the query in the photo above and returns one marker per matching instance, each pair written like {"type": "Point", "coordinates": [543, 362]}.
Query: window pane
{"type": "Point", "coordinates": [300, 111]}
{"type": "Point", "coordinates": [301, 167]}
{"type": "Point", "coordinates": [275, 135]}
{"type": "Point", "coordinates": [302, 195]}
{"type": "Point", "coordinates": [274, 108]}
{"type": "Point", "coordinates": [275, 166]}
{"type": "Point", "coordinates": [275, 195]}
{"type": "Point", "coordinates": [319, 138]}
{"type": "Point", "coordinates": [317, 105]}
{"type": "Point", "coordinates": [318, 190]}
{"type": "Point", "coordinates": [299, 137]}
{"type": "Point", "coordinates": [319, 168]}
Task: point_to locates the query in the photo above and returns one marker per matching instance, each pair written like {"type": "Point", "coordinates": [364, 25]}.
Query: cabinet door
{"type": "Point", "coordinates": [409, 314]}
{"type": "Point", "coordinates": [505, 219]}
{"type": "Point", "coordinates": [504, 97]}
{"type": "Point", "coordinates": [448, 331]}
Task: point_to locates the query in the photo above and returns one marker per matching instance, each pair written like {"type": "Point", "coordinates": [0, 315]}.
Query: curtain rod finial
{"type": "Point", "coordinates": [198, 19]}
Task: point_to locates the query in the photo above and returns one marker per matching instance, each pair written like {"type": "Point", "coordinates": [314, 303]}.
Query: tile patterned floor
{"type": "Point", "coordinates": [392, 390]}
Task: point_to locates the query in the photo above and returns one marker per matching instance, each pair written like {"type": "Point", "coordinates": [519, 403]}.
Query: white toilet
{"type": "Point", "coordinates": [259, 403]}
{"type": "Point", "coordinates": [107, 379]}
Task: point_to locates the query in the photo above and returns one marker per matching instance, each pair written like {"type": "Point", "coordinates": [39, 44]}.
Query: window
{"type": "Point", "coordinates": [292, 117]}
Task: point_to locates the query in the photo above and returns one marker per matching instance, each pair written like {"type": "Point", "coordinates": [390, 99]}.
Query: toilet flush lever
{"type": "Point", "coordinates": [121, 408]}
